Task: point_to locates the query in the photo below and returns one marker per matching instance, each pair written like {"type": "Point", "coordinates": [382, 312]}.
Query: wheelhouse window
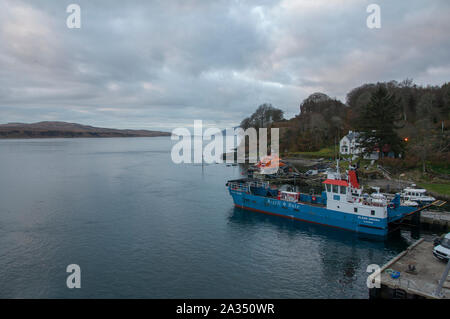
{"type": "Point", "coordinates": [335, 189]}
{"type": "Point", "coordinates": [328, 186]}
{"type": "Point", "coordinates": [343, 189]}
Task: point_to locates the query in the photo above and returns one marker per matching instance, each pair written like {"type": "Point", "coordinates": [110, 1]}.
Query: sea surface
{"type": "Point", "coordinates": [140, 226]}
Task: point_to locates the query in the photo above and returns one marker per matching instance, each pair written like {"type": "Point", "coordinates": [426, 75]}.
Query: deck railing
{"type": "Point", "coordinates": [258, 184]}
{"type": "Point", "coordinates": [242, 187]}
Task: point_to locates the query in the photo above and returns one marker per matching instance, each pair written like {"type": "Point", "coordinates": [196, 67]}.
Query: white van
{"type": "Point", "coordinates": [442, 251]}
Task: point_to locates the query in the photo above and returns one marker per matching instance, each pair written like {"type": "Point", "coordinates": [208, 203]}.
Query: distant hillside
{"type": "Point", "coordinates": [69, 130]}
{"type": "Point", "coordinates": [413, 119]}
{"type": "Point", "coordinates": [322, 119]}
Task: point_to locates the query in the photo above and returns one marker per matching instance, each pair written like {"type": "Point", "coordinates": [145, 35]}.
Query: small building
{"type": "Point", "coordinates": [349, 145]}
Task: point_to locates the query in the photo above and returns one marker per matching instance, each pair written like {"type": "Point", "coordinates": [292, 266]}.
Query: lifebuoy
{"type": "Point", "coordinates": [313, 198]}
{"type": "Point", "coordinates": [391, 206]}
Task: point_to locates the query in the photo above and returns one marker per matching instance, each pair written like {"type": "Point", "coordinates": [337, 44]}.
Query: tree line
{"type": "Point", "coordinates": [401, 119]}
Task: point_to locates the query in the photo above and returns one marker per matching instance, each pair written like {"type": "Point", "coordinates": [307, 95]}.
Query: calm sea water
{"type": "Point", "coordinates": [140, 226]}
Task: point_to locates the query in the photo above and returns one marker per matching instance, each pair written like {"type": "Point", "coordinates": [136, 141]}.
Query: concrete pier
{"type": "Point", "coordinates": [431, 220]}
{"type": "Point", "coordinates": [436, 219]}
{"type": "Point", "coordinates": [420, 273]}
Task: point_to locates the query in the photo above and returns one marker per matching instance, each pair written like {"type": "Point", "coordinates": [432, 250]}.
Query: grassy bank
{"type": "Point", "coordinates": [442, 168]}
{"type": "Point", "coordinates": [443, 189]}
{"type": "Point", "coordinates": [327, 153]}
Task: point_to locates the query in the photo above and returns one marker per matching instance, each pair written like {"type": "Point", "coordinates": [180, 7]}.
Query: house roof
{"type": "Point", "coordinates": [353, 135]}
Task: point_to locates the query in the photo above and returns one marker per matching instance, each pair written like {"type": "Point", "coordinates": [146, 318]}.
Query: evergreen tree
{"type": "Point", "coordinates": [378, 123]}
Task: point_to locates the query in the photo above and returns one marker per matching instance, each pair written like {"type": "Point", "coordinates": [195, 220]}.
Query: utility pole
{"type": "Point", "coordinates": [335, 155]}
{"type": "Point", "coordinates": [437, 293]}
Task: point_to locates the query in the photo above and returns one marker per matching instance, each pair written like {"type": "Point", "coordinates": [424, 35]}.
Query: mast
{"type": "Point", "coordinates": [337, 168]}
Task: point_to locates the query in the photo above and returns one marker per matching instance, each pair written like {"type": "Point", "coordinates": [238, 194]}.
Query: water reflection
{"type": "Point", "coordinates": [244, 217]}
{"type": "Point", "coordinates": [340, 257]}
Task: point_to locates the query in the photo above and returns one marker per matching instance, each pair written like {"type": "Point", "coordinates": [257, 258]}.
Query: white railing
{"type": "Point", "coordinates": [258, 184]}
{"type": "Point", "coordinates": [242, 187]}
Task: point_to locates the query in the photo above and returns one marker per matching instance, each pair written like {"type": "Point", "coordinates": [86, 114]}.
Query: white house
{"type": "Point", "coordinates": [349, 145]}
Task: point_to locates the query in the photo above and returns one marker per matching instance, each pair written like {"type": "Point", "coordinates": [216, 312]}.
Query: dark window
{"type": "Point", "coordinates": [355, 210]}
{"type": "Point", "coordinates": [372, 212]}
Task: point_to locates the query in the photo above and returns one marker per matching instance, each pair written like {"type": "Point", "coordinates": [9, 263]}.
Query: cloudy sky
{"type": "Point", "coordinates": [162, 64]}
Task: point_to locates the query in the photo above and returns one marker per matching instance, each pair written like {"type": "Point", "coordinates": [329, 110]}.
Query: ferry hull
{"type": "Point", "coordinates": [316, 214]}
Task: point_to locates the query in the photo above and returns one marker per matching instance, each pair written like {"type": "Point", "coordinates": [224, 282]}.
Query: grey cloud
{"type": "Point", "coordinates": [163, 64]}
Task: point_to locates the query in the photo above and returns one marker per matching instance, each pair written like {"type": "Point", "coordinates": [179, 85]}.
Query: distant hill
{"type": "Point", "coordinates": [69, 130]}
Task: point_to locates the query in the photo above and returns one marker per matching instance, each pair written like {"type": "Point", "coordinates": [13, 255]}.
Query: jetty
{"type": "Point", "coordinates": [434, 220]}
{"type": "Point", "coordinates": [417, 275]}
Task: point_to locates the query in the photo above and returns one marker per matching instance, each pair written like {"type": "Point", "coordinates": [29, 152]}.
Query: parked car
{"type": "Point", "coordinates": [312, 172]}
{"type": "Point", "coordinates": [442, 249]}
{"type": "Point", "coordinates": [437, 240]}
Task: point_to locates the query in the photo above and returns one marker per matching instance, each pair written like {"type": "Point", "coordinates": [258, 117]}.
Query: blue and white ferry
{"type": "Point", "coordinates": [342, 204]}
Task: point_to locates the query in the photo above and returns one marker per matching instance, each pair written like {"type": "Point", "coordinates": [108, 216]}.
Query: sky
{"type": "Point", "coordinates": [163, 64]}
